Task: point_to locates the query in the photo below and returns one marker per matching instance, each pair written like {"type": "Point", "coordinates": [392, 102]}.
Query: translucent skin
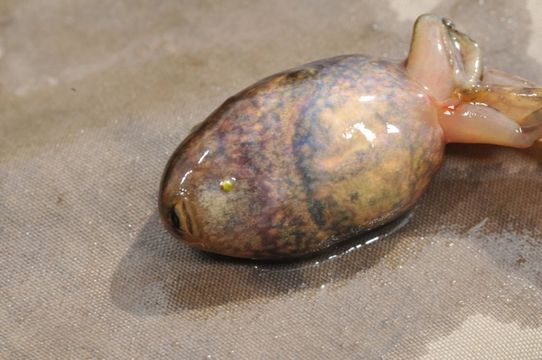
{"type": "Point", "coordinates": [306, 158]}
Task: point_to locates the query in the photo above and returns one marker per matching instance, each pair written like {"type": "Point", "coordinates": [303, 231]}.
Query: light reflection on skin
{"type": "Point", "coordinates": [185, 176]}
{"type": "Point", "coordinates": [203, 156]}
{"type": "Point", "coordinates": [392, 129]}
{"type": "Point", "coordinates": [369, 135]}
{"type": "Point", "coordinates": [366, 98]}
{"type": "Point", "coordinates": [182, 190]}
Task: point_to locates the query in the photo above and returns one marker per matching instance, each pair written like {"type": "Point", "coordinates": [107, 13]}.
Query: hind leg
{"type": "Point", "coordinates": [516, 98]}
{"type": "Point", "coordinates": [481, 124]}
{"type": "Point", "coordinates": [518, 103]}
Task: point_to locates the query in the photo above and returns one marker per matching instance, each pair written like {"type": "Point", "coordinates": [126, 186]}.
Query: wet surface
{"type": "Point", "coordinates": [214, 280]}
{"type": "Point", "coordinates": [91, 118]}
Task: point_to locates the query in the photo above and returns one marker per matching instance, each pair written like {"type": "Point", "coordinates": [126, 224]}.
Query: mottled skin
{"type": "Point", "coordinates": [315, 154]}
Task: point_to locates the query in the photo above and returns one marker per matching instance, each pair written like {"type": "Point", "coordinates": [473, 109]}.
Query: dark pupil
{"type": "Point", "coordinates": [174, 218]}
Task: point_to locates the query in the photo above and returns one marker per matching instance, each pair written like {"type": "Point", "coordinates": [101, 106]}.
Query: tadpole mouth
{"type": "Point", "coordinates": [174, 218]}
{"type": "Point", "coordinates": [181, 219]}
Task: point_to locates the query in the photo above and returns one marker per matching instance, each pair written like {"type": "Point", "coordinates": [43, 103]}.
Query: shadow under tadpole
{"type": "Point", "coordinates": [160, 274]}
{"type": "Point", "coordinates": [478, 153]}
{"type": "Point", "coordinates": [535, 152]}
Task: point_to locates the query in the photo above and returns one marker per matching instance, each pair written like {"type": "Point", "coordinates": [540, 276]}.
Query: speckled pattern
{"type": "Point", "coordinates": [317, 154]}
{"type": "Point", "coordinates": [94, 98]}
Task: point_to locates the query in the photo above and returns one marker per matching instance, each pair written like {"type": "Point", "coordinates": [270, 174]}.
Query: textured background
{"type": "Point", "coordinates": [95, 95]}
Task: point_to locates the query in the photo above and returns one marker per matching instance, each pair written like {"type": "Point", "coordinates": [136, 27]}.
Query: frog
{"type": "Point", "coordinates": [319, 154]}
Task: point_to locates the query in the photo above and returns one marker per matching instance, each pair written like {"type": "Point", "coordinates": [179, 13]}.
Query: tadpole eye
{"type": "Point", "coordinates": [174, 218]}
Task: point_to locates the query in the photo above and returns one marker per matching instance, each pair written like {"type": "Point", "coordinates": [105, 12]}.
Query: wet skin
{"type": "Point", "coordinates": [320, 153]}
{"type": "Point", "coordinates": [314, 155]}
